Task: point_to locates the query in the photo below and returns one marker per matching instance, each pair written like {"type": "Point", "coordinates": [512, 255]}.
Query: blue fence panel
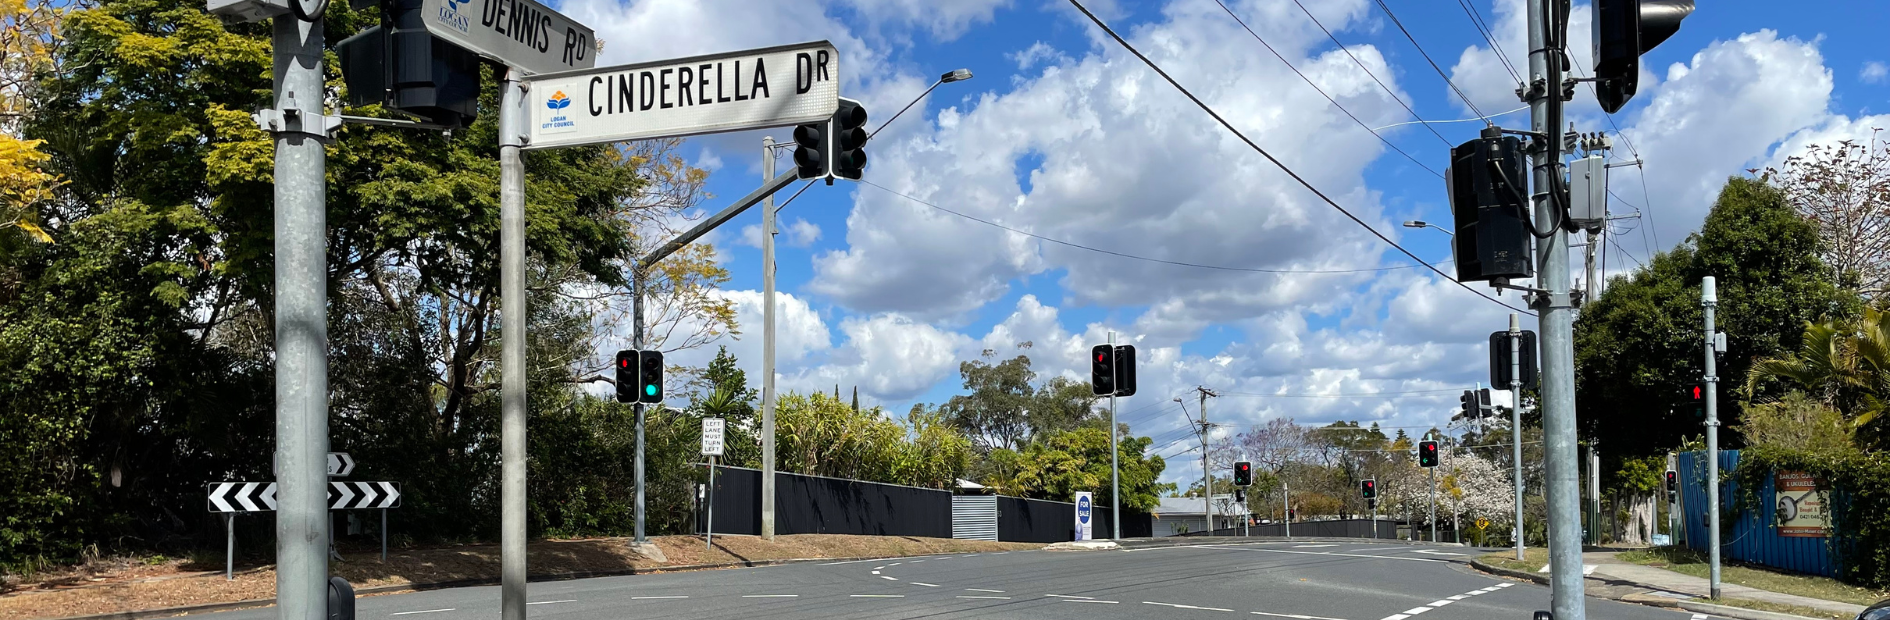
{"type": "Point", "coordinates": [1751, 538]}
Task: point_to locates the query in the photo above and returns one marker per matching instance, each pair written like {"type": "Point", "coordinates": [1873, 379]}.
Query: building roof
{"type": "Point", "coordinates": [1191, 506]}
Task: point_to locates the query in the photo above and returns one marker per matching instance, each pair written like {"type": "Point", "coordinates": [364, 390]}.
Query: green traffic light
{"type": "Point", "coordinates": [649, 389]}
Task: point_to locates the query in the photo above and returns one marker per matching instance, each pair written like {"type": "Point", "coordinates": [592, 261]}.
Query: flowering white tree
{"type": "Point", "coordinates": [1476, 487]}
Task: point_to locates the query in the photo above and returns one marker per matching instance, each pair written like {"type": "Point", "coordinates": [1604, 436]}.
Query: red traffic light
{"type": "Point", "coordinates": [1698, 392]}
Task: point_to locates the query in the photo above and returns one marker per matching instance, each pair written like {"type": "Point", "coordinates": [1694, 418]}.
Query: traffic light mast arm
{"type": "Point", "coordinates": [773, 185]}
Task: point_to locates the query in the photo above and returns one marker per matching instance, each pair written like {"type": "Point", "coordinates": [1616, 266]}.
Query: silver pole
{"type": "Point", "coordinates": [1709, 297]}
{"type": "Point", "coordinates": [1286, 505]}
{"type": "Point", "coordinates": [1433, 518]}
{"type": "Point", "coordinates": [767, 344]}
{"type": "Point", "coordinates": [1593, 290]}
{"type": "Point", "coordinates": [229, 553]}
{"type": "Point", "coordinates": [708, 533]}
{"type": "Point", "coordinates": [301, 230]}
{"type": "Point", "coordinates": [512, 574]}
{"type": "Point", "coordinates": [1515, 424]}
{"type": "Point", "coordinates": [1115, 468]}
{"type": "Point", "coordinates": [1207, 475]}
{"type": "Point", "coordinates": [1556, 321]}
{"type": "Point", "coordinates": [637, 274]}
{"type": "Point", "coordinates": [383, 535]}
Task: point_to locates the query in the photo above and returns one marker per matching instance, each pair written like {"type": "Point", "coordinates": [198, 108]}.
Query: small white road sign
{"type": "Point", "coordinates": [712, 436]}
{"type": "Point", "coordinates": [769, 87]}
{"type": "Point", "coordinates": [516, 33]}
{"type": "Point", "coordinates": [340, 464]}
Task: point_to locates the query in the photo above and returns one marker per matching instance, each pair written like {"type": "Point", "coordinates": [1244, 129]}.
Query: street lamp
{"type": "Point", "coordinates": [955, 75]}
{"type": "Point", "coordinates": [1424, 224]}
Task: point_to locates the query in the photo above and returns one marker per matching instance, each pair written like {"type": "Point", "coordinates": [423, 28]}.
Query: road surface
{"type": "Point", "coordinates": [1303, 580]}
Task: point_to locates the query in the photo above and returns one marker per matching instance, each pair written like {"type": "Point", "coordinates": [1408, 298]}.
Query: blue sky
{"type": "Point", "coordinates": [1063, 134]}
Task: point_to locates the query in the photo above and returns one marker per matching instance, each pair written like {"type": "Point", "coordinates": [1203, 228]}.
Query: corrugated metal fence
{"type": "Point", "coordinates": [1751, 538]}
{"type": "Point", "coordinates": [975, 517]}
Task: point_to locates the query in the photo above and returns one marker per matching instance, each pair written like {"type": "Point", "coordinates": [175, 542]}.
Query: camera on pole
{"type": "Point", "coordinates": [1625, 29]}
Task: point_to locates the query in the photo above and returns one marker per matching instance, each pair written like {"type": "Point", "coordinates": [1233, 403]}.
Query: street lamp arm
{"type": "Point", "coordinates": [895, 116]}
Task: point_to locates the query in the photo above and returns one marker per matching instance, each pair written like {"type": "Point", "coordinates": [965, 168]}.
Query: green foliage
{"type": "Point", "coordinates": [1859, 529]}
{"type": "Point", "coordinates": [1641, 341]}
{"type": "Point", "coordinates": [1796, 422]}
{"type": "Point", "coordinates": [1844, 365]}
{"type": "Point", "coordinates": [1004, 409]}
{"type": "Point", "coordinates": [1058, 464]}
{"type": "Point", "coordinates": [824, 436]}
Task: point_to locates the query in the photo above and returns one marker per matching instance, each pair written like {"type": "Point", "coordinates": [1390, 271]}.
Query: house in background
{"type": "Point", "coordinates": [1178, 515]}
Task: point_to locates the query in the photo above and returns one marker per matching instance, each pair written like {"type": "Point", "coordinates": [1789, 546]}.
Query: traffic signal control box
{"type": "Point", "coordinates": [1492, 239]}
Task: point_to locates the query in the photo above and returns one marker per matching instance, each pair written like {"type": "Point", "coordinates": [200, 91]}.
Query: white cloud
{"type": "Point", "coordinates": [801, 233]}
{"type": "Point", "coordinates": [945, 20]}
{"type": "Point", "coordinates": [1874, 72]}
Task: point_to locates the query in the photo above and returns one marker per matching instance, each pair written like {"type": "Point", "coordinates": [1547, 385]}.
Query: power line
{"type": "Point", "coordinates": [1476, 19]}
{"type": "Point", "coordinates": [1455, 120]}
{"type": "Point", "coordinates": [1624, 252]}
{"type": "Point", "coordinates": [1368, 72]}
{"type": "Point", "coordinates": [1276, 162]}
{"type": "Point", "coordinates": [1640, 164]}
{"type": "Point", "coordinates": [1399, 394]}
{"type": "Point", "coordinates": [1427, 58]}
{"type": "Point", "coordinates": [1322, 92]}
{"type": "Point", "coordinates": [1134, 256]}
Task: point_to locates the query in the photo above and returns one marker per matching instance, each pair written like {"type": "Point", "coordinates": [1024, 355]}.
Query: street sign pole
{"type": "Point", "coordinates": [712, 432]}
{"type": "Point", "coordinates": [229, 554]}
{"type": "Point", "coordinates": [1115, 469]}
{"type": "Point", "coordinates": [1515, 424]}
{"type": "Point", "coordinates": [512, 350]}
{"type": "Point", "coordinates": [301, 238]}
{"type": "Point", "coordinates": [1433, 517]}
{"type": "Point", "coordinates": [1709, 298]}
{"type": "Point", "coordinates": [708, 537]}
{"type": "Point", "coordinates": [767, 344]}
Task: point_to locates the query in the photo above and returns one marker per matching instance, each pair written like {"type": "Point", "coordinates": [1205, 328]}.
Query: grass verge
{"type": "Point", "coordinates": [1808, 612]}
{"type": "Point", "coordinates": [1689, 562]}
{"type": "Point", "coordinates": [1533, 559]}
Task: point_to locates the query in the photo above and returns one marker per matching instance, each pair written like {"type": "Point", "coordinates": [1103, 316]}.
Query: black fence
{"type": "Point", "coordinates": [819, 505]}
{"type": "Point", "coordinates": [1036, 520]}
{"type": "Point", "coordinates": [1343, 528]}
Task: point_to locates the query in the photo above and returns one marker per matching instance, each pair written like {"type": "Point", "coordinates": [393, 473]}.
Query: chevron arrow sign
{"type": "Point", "coordinates": [261, 496]}
{"type": "Point", "coordinates": [340, 464]}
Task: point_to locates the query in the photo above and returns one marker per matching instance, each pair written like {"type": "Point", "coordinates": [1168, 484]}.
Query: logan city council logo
{"type": "Point", "coordinates": [449, 15]}
{"type": "Point", "coordinates": [558, 121]}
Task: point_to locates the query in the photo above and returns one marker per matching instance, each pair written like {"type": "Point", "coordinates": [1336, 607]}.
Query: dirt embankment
{"type": "Point", "coordinates": [129, 585]}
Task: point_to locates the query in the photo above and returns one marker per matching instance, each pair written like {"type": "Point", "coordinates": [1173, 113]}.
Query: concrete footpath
{"type": "Point", "coordinates": [1608, 566]}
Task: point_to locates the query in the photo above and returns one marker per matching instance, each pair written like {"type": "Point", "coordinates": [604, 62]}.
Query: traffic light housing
{"type": "Point", "coordinates": [1243, 474]}
{"type": "Point", "coordinates": [1125, 370]}
{"type": "Point", "coordinates": [1102, 370]}
{"type": "Point", "coordinates": [1427, 454]}
{"type": "Point", "coordinates": [1694, 397]}
{"type": "Point", "coordinates": [810, 149]}
{"type": "Point", "coordinates": [627, 384]}
{"type": "Point", "coordinates": [849, 141]}
{"type": "Point", "coordinates": [1623, 30]}
{"type": "Point", "coordinates": [1492, 240]}
{"type": "Point", "coordinates": [1368, 489]}
{"type": "Point", "coordinates": [1673, 485]}
{"type": "Point", "coordinates": [400, 65]}
{"type": "Point", "coordinates": [650, 377]}
{"type": "Point", "coordinates": [1467, 404]}
{"type": "Point", "coordinates": [1499, 358]}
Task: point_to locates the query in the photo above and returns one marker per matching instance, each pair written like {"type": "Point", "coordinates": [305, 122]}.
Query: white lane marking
{"type": "Point", "coordinates": [1504, 585]}
{"type": "Point", "coordinates": [1298, 616]}
{"type": "Point", "coordinates": [876, 595]}
{"type": "Point", "coordinates": [1699, 616]}
{"type": "Point", "coordinates": [1587, 569]}
{"type": "Point", "coordinates": [568, 600]}
{"type": "Point", "coordinates": [879, 568]}
{"type": "Point", "coordinates": [1415, 611]}
{"type": "Point", "coordinates": [770, 595]}
{"type": "Point", "coordinates": [423, 611]}
{"type": "Point", "coordinates": [1436, 604]}
{"type": "Point", "coordinates": [1069, 596]}
{"type": "Point", "coordinates": [921, 583]}
{"type": "Point", "coordinates": [1071, 600]}
{"type": "Point", "coordinates": [1181, 606]}
{"type": "Point", "coordinates": [1458, 597]}
{"type": "Point", "coordinates": [917, 561]}
{"type": "Point", "coordinates": [1311, 546]}
{"type": "Point", "coordinates": [895, 563]}
{"type": "Point", "coordinates": [647, 598]}
{"type": "Point", "coordinates": [888, 578]}
{"type": "Point", "coordinates": [1396, 617]}
{"type": "Point", "coordinates": [983, 590]}
{"type": "Point", "coordinates": [1331, 553]}
{"type": "Point", "coordinates": [1001, 598]}
{"type": "Point", "coordinates": [1437, 552]}
{"type": "Point", "coordinates": [875, 572]}
{"type": "Point", "coordinates": [1445, 601]}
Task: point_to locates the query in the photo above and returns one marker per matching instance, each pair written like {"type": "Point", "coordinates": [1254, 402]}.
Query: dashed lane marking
{"type": "Point", "coordinates": [1437, 552]}
{"type": "Point", "coordinates": [983, 590]}
{"type": "Point", "coordinates": [423, 611]}
{"type": "Point", "coordinates": [1445, 601]}
{"type": "Point", "coordinates": [1000, 598]}
{"type": "Point", "coordinates": [875, 572]}
{"type": "Point", "coordinates": [568, 600]}
{"type": "Point", "coordinates": [921, 583]}
{"type": "Point", "coordinates": [1181, 606]}
{"type": "Point", "coordinates": [770, 595]}
{"type": "Point", "coordinates": [651, 598]}
{"type": "Point", "coordinates": [888, 578]}
{"type": "Point", "coordinates": [1699, 616]}
{"type": "Point", "coordinates": [1298, 616]}
{"type": "Point", "coordinates": [1311, 546]}
{"type": "Point", "coordinates": [1334, 553]}
{"type": "Point", "coordinates": [1072, 600]}
{"type": "Point", "coordinates": [876, 596]}
{"type": "Point", "coordinates": [1069, 596]}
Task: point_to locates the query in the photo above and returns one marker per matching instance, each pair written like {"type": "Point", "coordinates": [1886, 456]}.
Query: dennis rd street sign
{"type": "Point", "coordinates": [516, 33]}
{"type": "Point", "coordinates": [769, 87]}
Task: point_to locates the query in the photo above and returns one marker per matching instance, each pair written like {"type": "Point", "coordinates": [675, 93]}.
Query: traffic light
{"type": "Point", "coordinates": [1243, 474]}
{"type": "Point", "coordinates": [1102, 370]}
{"type": "Point", "coordinates": [1427, 454]}
{"type": "Point", "coordinates": [1240, 496]}
{"type": "Point", "coordinates": [1625, 29]}
{"type": "Point", "coordinates": [849, 141]}
{"type": "Point", "coordinates": [399, 64]}
{"type": "Point", "coordinates": [651, 377]}
{"type": "Point", "coordinates": [1483, 403]}
{"type": "Point", "coordinates": [1694, 396]}
{"type": "Point", "coordinates": [1673, 485]}
{"type": "Point", "coordinates": [1492, 237]}
{"type": "Point", "coordinates": [1125, 370]}
{"type": "Point", "coordinates": [810, 150]}
{"type": "Point", "coordinates": [1369, 489]}
{"type": "Point", "coordinates": [627, 376]}
{"type": "Point", "coordinates": [1500, 363]}
{"type": "Point", "coordinates": [1467, 404]}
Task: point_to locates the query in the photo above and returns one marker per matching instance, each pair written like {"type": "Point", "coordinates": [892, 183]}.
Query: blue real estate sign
{"type": "Point", "coordinates": [1084, 516]}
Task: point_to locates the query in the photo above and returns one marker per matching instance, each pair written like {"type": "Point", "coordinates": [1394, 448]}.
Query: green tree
{"type": "Point", "coordinates": [1641, 342]}
{"type": "Point", "coordinates": [1058, 464]}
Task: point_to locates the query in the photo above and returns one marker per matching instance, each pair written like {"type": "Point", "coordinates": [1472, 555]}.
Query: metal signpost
{"type": "Point", "coordinates": [769, 87]}
{"type": "Point", "coordinates": [521, 34]}
{"type": "Point", "coordinates": [711, 447]}
{"type": "Point", "coordinates": [1515, 424]}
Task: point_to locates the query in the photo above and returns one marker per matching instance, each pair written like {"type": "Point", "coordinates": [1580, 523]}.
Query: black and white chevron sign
{"type": "Point", "coordinates": [261, 496]}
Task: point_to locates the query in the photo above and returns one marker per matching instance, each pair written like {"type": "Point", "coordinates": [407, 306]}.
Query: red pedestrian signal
{"type": "Point", "coordinates": [1427, 454]}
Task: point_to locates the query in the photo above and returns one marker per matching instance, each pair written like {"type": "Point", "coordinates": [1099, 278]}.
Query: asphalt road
{"type": "Point", "coordinates": [1302, 580]}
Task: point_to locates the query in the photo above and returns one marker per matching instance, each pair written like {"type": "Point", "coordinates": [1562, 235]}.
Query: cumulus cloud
{"type": "Point", "coordinates": [1874, 72]}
